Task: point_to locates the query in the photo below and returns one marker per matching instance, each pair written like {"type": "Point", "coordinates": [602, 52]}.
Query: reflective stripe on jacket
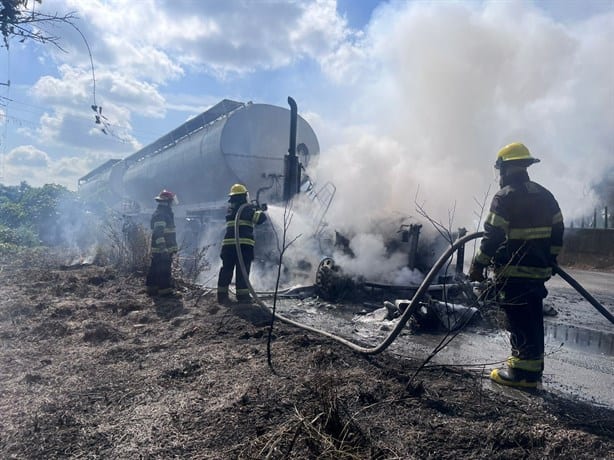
{"type": "Point", "coordinates": [523, 232]}
{"type": "Point", "coordinates": [250, 217]}
{"type": "Point", "coordinates": [163, 237]}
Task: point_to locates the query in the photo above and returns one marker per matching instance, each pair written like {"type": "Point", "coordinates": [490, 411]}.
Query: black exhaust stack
{"type": "Point", "coordinates": [412, 239]}
{"type": "Point", "coordinates": [292, 171]}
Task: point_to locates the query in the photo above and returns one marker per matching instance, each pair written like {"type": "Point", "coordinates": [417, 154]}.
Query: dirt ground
{"type": "Point", "coordinates": [91, 367]}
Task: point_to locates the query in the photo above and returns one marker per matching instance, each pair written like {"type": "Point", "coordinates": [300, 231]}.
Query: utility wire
{"type": "Point", "coordinates": [89, 52]}
{"type": "Point", "coordinates": [50, 108]}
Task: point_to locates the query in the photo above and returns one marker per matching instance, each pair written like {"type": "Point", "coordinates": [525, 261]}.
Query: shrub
{"type": "Point", "coordinates": [20, 236]}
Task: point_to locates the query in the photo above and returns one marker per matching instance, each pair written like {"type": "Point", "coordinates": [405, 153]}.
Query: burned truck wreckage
{"type": "Point", "coordinates": [448, 302]}
{"type": "Point", "coordinates": [272, 151]}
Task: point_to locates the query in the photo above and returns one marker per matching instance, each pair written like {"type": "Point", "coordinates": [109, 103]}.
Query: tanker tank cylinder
{"type": "Point", "coordinates": [230, 143]}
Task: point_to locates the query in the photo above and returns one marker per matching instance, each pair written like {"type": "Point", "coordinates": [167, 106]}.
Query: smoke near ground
{"type": "Point", "coordinates": [439, 87]}
{"type": "Point", "coordinates": [605, 189]}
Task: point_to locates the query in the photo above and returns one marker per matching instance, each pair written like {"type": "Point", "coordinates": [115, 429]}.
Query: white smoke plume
{"type": "Point", "coordinates": [439, 88]}
{"type": "Point", "coordinates": [442, 86]}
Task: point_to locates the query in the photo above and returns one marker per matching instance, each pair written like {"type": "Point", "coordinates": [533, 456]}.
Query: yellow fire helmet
{"type": "Point", "coordinates": [237, 189]}
{"type": "Point", "coordinates": [515, 152]}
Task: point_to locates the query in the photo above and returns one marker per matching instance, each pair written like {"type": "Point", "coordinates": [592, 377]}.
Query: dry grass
{"type": "Point", "coordinates": [94, 368]}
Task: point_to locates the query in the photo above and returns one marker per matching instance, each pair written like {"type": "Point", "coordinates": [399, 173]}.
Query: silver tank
{"type": "Point", "coordinates": [230, 143]}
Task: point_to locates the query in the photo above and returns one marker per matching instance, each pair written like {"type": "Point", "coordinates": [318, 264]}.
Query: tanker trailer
{"type": "Point", "coordinates": [230, 143]}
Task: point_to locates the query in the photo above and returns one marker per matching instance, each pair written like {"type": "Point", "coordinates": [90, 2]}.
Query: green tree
{"type": "Point", "coordinates": [39, 211]}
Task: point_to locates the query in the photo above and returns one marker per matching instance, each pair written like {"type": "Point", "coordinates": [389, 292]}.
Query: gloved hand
{"type": "Point", "coordinates": [263, 207]}
{"type": "Point", "coordinates": [476, 272]}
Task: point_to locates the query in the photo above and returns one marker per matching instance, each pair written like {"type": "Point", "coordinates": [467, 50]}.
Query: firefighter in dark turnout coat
{"type": "Point", "coordinates": [523, 234]}
{"type": "Point", "coordinates": [163, 246]}
{"type": "Point", "coordinates": [250, 217]}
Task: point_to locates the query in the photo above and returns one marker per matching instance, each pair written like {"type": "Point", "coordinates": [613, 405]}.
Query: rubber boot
{"type": "Point", "coordinates": [222, 298]}
{"type": "Point", "coordinates": [244, 299]}
{"type": "Point", "coordinates": [171, 294]}
{"type": "Point", "coordinates": [515, 378]}
{"type": "Point", "coordinates": [549, 310]}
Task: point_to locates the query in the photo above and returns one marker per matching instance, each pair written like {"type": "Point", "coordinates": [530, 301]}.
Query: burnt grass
{"type": "Point", "coordinates": [91, 367]}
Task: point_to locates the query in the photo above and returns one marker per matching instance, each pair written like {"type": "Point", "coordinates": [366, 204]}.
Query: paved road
{"type": "Point", "coordinates": [579, 340]}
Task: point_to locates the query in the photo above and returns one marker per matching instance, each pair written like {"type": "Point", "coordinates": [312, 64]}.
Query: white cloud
{"type": "Point", "coordinates": [37, 168]}
{"type": "Point", "coordinates": [67, 130]}
{"type": "Point", "coordinates": [146, 62]}
{"type": "Point", "coordinates": [136, 47]}
{"type": "Point", "coordinates": [233, 36]}
{"type": "Point", "coordinates": [27, 156]}
{"type": "Point", "coordinates": [75, 88]}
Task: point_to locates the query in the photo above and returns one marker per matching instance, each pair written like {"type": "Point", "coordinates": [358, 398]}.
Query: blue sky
{"type": "Point", "coordinates": [411, 99]}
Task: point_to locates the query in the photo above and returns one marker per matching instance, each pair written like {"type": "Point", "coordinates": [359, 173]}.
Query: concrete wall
{"type": "Point", "coordinates": [588, 248]}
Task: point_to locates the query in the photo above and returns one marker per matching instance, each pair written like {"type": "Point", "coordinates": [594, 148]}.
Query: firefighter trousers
{"type": "Point", "coordinates": [523, 307]}
{"type": "Point", "coordinates": [159, 277]}
{"type": "Point", "coordinates": [230, 266]}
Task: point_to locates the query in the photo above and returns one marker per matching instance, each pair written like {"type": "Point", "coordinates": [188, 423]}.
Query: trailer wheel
{"type": "Point", "coordinates": [331, 284]}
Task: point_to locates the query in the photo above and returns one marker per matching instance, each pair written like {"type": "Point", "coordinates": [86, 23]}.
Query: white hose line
{"type": "Point", "coordinates": [412, 307]}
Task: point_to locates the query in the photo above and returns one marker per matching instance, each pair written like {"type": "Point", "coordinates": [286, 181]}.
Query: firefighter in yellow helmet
{"type": "Point", "coordinates": [523, 234]}
{"type": "Point", "coordinates": [163, 246]}
{"type": "Point", "coordinates": [250, 217]}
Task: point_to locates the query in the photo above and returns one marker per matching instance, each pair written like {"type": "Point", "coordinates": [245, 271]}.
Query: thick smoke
{"type": "Point", "coordinates": [432, 91]}
{"type": "Point", "coordinates": [436, 90]}
{"type": "Point", "coordinates": [443, 86]}
{"type": "Point", "coordinates": [72, 227]}
{"type": "Point", "coordinates": [605, 189]}
{"type": "Point", "coordinates": [377, 256]}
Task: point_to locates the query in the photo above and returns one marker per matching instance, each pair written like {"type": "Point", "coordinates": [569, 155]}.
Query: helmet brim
{"type": "Point", "coordinates": [524, 162]}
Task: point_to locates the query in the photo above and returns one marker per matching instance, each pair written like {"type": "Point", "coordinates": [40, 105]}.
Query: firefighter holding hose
{"type": "Point", "coordinates": [251, 216]}
{"type": "Point", "coordinates": [523, 234]}
{"type": "Point", "coordinates": [163, 246]}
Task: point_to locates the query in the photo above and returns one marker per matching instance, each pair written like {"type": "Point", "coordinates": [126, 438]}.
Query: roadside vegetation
{"type": "Point", "coordinates": [52, 216]}
{"type": "Point", "coordinates": [30, 216]}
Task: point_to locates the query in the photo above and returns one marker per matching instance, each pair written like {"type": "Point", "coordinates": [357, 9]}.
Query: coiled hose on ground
{"type": "Point", "coordinates": [411, 308]}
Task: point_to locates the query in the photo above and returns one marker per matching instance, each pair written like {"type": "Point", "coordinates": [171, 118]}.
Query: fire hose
{"type": "Point", "coordinates": [409, 311]}
{"type": "Point", "coordinates": [574, 284]}
{"type": "Point", "coordinates": [411, 308]}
